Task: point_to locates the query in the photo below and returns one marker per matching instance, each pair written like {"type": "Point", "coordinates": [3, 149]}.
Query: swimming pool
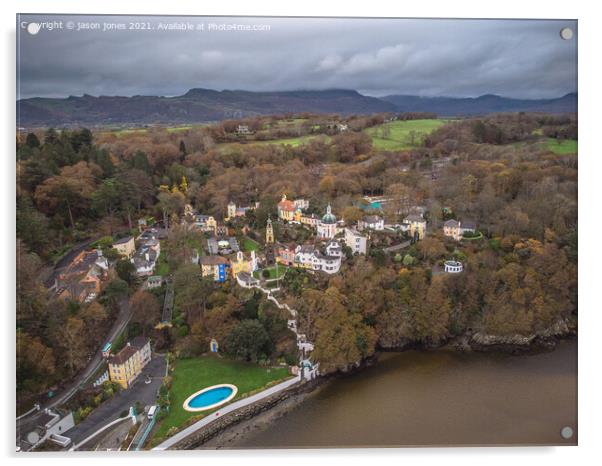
{"type": "Point", "coordinates": [210, 397]}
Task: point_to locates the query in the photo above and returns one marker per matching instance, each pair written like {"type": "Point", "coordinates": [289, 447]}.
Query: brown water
{"type": "Point", "coordinates": [437, 398]}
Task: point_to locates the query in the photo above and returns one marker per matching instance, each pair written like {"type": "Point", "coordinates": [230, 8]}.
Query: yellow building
{"type": "Point", "coordinates": [240, 264]}
{"type": "Point", "coordinates": [125, 246]}
{"type": "Point", "coordinates": [126, 365]}
{"type": "Point", "coordinates": [211, 225]}
{"type": "Point", "coordinates": [286, 209]}
{"type": "Point", "coordinates": [416, 226]}
{"type": "Point", "coordinates": [216, 267]}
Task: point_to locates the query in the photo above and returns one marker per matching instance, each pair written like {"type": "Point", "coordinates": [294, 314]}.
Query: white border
{"type": "Point", "coordinates": [590, 225]}
{"type": "Point", "coordinates": [186, 404]}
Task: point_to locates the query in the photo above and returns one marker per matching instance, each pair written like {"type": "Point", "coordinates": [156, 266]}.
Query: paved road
{"type": "Point", "coordinates": [28, 423]}
{"type": "Point", "coordinates": [110, 410]}
{"type": "Point", "coordinates": [170, 442]}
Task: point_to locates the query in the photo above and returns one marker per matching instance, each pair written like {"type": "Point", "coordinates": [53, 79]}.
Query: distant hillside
{"type": "Point", "coordinates": [197, 105]}
{"type": "Point", "coordinates": [454, 106]}
{"type": "Point", "coordinates": [205, 105]}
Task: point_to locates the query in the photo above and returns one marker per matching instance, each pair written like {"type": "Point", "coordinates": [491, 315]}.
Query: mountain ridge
{"type": "Point", "coordinates": [200, 105]}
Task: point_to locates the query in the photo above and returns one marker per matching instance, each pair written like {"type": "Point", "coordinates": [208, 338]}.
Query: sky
{"type": "Point", "coordinates": [76, 55]}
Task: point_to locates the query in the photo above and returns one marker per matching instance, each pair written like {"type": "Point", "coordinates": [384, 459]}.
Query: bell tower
{"type": "Point", "coordinates": [269, 232]}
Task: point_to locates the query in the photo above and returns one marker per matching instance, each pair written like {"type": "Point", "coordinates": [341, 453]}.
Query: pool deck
{"type": "Point", "coordinates": [233, 391]}
{"type": "Point", "coordinates": [173, 440]}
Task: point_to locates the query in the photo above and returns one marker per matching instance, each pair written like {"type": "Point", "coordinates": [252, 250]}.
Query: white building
{"type": "Point", "coordinates": [146, 257]}
{"type": "Point", "coordinates": [309, 257]}
{"type": "Point", "coordinates": [453, 267]}
{"type": "Point", "coordinates": [371, 222]}
{"type": "Point", "coordinates": [301, 204]}
{"type": "Point", "coordinates": [356, 241]}
{"type": "Point", "coordinates": [327, 227]}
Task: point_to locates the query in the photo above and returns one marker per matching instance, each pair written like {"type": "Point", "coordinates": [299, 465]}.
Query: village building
{"type": "Point", "coordinates": [241, 264]}
{"type": "Point", "coordinates": [145, 259]}
{"type": "Point", "coordinates": [356, 241]}
{"type": "Point", "coordinates": [49, 425]}
{"type": "Point", "coordinates": [453, 267]}
{"type": "Point", "coordinates": [243, 130]}
{"type": "Point", "coordinates": [285, 254]}
{"type": "Point", "coordinates": [371, 222]}
{"type": "Point", "coordinates": [311, 220]}
{"type": "Point", "coordinates": [233, 211]}
{"type": "Point", "coordinates": [223, 246]}
{"type": "Point", "coordinates": [83, 278]}
{"type": "Point", "coordinates": [125, 246]}
{"type": "Point", "coordinates": [206, 223]}
{"type": "Point", "coordinates": [126, 366]}
{"type": "Point", "coordinates": [456, 229]}
{"type": "Point", "coordinates": [416, 226]}
{"type": "Point", "coordinates": [222, 230]}
{"type": "Point", "coordinates": [246, 280]}
{"type": "Point", "coordinates": [301, 204]}
{"type": "Point", "coordinates": [286, 209]}
{"type": "Point", "coordinates": [216, 267]}
{"type": "Point", "coordinates": [327, 227]}
{"type": "Point", "coordinates": [310, 257]}
{"type": "Point", "coordinates": [154, 281]}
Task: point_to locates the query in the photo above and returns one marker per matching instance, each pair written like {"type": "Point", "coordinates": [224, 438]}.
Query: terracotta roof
{"type": "Point", "coordinates": [287, 205]}
{"type": "Point", "coordinates": [213, 260]}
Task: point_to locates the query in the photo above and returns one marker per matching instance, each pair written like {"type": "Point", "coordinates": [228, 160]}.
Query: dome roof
{"type": "Point", "coordinates": [329, 217]}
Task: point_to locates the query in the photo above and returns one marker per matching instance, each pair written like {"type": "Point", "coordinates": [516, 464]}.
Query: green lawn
{"type": "Point", "coordinates": [272, 270]}
{"type": "Point", "coordinates": [162, 265]}
{"type": "Point", "coordinates": [567, 146]}
{"type": "Point", "coordinates": [192, 375]}
{"type": "Point", "coordinates": [402, 135]}
{"type": "Point", "coordinates": [249, 245]}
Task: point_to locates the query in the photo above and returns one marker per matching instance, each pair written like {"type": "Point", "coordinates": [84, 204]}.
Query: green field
{"type": "Point", "coordinates": [294, 142]}
{"type": "Point", "coordinates": [130, 131]}
{"type": "Point", "coordinates": [402, 135]}
{"type": "Point", "coordinates": [162, 265]}
{"type": "Point", "coordinates": [192, 375]}
{"type": "Point", "coordinates": [249, 245]}
{"type": "Point", "coordinates": [567, 146]}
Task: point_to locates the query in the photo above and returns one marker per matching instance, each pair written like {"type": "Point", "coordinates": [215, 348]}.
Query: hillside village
{"type": "Point", "coordinates": [282, 246]}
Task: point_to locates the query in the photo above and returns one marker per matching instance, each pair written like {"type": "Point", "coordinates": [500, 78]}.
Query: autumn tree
{"type": "Point", "coordinates": [247, 340]}
{"type": "Point", "coordinates": [71, 190]}
{"type": "Point", "coordinates": [343, 339]}
{"type": "Point", "coordinates": [145, 309]}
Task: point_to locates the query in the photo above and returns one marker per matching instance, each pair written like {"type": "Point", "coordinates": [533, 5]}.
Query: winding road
{"type": "Point", "coordinates": [28, 422]}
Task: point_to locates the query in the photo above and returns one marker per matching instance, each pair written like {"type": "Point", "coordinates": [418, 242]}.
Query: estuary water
{"type": "Point", "coordinates": [437, 398]}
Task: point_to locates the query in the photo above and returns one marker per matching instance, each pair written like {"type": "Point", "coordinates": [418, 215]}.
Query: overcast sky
{"type": "Point", "coordinates": [525, 59]}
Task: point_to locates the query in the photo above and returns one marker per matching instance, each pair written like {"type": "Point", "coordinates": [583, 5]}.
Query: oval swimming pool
{"type": "Point", "coordinates": [210, 397]}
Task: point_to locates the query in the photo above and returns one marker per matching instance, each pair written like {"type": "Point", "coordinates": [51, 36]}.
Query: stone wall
{"type": "Point", "coordinates": [204, 434]}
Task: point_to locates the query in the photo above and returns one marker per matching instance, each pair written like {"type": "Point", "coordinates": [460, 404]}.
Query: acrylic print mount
{"type": "Point", "coordinates": [369, 225]}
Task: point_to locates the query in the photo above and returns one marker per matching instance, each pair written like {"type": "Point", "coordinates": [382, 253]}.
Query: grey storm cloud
{"type": "Point", "coordinates": [427, 57]}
